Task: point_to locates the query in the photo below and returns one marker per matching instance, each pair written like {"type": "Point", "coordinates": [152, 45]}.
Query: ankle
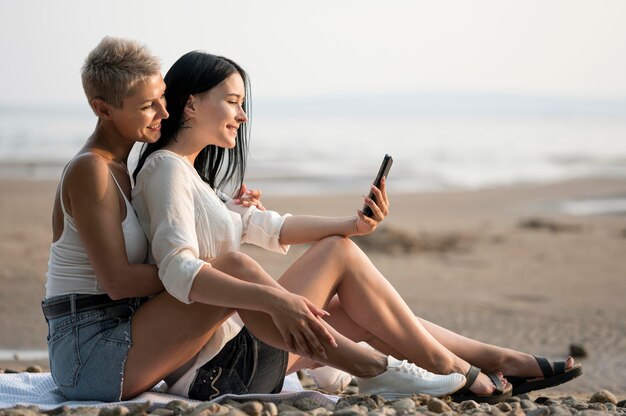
{"type": "Point", "coordinates": [461, 367]}
{"type": "Point", "coordinates": [518, 364]}
{"type": "Point", "coordinates": [449, 365]}
{"type": "Point", "coordinates": [375, 367]}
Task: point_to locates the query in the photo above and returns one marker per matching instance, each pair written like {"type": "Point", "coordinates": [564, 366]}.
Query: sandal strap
{"type": "Point", "coordinates": [559, 367]}
{"type": "Point", "coordinates": [471, 375]}
{"type": "Point", "coordinates": [497, 382]}
{"type": "Point", "coordinates": [546, 369]}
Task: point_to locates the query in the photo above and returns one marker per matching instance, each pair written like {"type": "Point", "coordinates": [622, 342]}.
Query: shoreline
{"type": "Point", "coordinates": [501, 265]}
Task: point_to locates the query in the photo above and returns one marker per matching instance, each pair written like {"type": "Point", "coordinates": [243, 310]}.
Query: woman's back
{"type": "Point", "coordinates": [69, 267]}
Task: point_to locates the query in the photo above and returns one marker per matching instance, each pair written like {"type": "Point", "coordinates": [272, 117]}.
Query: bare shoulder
{"type": "Point", "coordinates": [87, 174]}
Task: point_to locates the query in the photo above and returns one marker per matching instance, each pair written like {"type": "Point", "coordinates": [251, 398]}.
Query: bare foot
{"type": "Point", "coordinates": [525, 365]}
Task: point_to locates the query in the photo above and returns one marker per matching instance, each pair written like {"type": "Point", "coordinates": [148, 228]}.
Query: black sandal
{"type": "Point", "coordinates": [550, 377]}
{"type": "Point", "coordinates": [500, 394]}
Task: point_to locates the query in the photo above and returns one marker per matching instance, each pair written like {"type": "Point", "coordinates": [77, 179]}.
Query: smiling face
{"type": "Point", "coordinates": [139, 117]}
{"type": "Point", "coordinates": [219, 112]}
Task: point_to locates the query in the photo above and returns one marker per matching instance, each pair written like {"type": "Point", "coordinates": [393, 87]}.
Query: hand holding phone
{"type": "Point", "coordinates": [382, 172]}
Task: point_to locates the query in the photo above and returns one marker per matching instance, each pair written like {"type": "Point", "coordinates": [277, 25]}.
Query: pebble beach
{"type": "Point", "coordinates": [354, 404]}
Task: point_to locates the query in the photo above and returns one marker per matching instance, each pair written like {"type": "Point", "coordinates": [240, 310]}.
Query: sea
{"type": "Point", "coordinates": [329, 145]}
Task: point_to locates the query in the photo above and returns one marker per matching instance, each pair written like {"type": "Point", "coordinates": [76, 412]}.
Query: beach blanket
{"type": "Point", "coordinates": [38, 389]}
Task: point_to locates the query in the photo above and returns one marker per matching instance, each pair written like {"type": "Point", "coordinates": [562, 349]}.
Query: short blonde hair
{"type": "Point", "coordinates": [115, 67]}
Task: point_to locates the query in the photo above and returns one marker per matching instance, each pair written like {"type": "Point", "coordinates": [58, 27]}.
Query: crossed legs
{"type": "Point", "coordinates": [167, 333]}
{"type": "Point", "coordinates": [367, 308]}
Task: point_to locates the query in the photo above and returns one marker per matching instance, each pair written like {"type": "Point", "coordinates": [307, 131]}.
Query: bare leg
{"type": "Point", "coordinates": [486, 356]}
{"type": "Point", "coordinates": [336, 265]}
{"type": "Point", "coordinates": [167, 333]}
{"type": "Point", "coordinates": [490, 358]}
{"type": "Point", "coordinates": [347, 356]}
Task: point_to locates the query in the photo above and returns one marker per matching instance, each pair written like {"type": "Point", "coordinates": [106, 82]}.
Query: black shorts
{"type": "Point", "coordinates": [244, 365]}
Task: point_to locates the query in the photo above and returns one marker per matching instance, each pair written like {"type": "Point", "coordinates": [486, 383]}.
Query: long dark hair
{"type": "Point", "coordinates": [194, 73]}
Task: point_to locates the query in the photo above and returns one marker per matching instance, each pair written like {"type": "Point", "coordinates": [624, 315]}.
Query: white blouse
{"type": "Point", "coordinates": [188, 224]}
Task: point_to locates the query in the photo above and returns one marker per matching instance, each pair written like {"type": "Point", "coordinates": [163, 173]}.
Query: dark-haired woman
{"type": "Point", "coordinates": [195, 234]}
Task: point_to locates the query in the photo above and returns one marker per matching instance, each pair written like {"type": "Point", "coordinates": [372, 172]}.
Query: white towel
{"type": "Point", "coordinates": [39, 389]}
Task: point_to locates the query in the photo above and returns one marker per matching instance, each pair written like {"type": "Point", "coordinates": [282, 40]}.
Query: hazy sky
{"type": "Point", "coordinates": [303, 48]}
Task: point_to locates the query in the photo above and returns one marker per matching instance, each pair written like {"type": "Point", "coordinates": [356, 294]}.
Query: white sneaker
{"type": "Point", "coordinates": [402, 379]}
{"type": "Point", "coordinates": [329, 379]}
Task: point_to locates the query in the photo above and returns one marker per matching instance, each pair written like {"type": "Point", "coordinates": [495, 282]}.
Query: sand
{"type": "Point", "coordinates": [500, 265]}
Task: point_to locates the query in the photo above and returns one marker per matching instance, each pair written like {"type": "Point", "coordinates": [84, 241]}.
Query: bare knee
{"type": "Point", "coordinates": [339, 247]}
{"type": "Point", "coordinates": [240, 265]}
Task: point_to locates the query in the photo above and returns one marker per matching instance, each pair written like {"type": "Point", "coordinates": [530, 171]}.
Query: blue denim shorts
{"type": "Point", "coordinates": [244, 365]}
{"type": "Point", "coordinates": [88, 350]}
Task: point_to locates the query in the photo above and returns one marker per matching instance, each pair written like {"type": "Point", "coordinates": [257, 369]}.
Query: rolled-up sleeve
{"type": "Point", "coordinates": [261, 228]}
{"type": "Point", "coordinates": [169, 202]}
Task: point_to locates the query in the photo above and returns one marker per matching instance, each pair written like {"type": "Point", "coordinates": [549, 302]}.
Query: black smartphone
{"type": "Point", "coordinates": [383, 171]}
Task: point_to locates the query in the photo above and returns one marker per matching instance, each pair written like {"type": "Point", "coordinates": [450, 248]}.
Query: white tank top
{"type": "Point", "coordinates": [69, 268]}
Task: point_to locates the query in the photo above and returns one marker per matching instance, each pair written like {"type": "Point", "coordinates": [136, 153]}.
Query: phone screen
{"type": "Point", "coordinates": [383, 171]}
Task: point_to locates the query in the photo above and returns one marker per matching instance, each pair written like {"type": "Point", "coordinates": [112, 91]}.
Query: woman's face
{"type": "Point", "coordinates": [139, 117]}
{"type": "Point", "coordinates": [219, 112]}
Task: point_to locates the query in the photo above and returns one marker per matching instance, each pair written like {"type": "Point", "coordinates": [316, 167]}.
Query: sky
{"type": "Point", "coordinates": [564, 48]}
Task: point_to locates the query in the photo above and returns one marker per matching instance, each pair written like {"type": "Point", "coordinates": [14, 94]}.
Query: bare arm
{"type": "Point", "coordinates": [94, 205]}
{"type": "Point", "coordinates": [299, 229]}
{"type": "Point", "coordinates": [297, 319]}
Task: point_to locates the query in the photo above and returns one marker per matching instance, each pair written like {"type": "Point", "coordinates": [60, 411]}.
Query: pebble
{"type": "Point", "coordinates": [517, 412]}
{"type": "Point", "coordinates": [371, 402]}
{"type": "Point", "coordinates": [292, 413]}
{"type": "Point", "coordinates": [404, 406]}
{"type": "Point", "coordinates": [438, 406]}
{"type": "Point", "coordinates": [270, 408]}
{"type": "Point", "coordinates": [209, 408]}
{"type": "Point", "coordinates": [389, 411]}
{"type": "Point", "coordinates": [305, 404]}
{"type": "Point", "coordinates": [255, 408]}
{"type": "Point", "coordinates": [578, 351]}
{"type": "Point", "coordinates": [559, 410]}
{"type": "Point", "coordinates": [114, 411]}
{"type": "Point", "coordinates": [236, 412]}
{"type": "Point", "coordinates": [540, 411]}
{"type": "Point", "coordinates": [468, 405]}
{"type": "Point", "coordinates": [527, 405]}
{"type": "Point", "coordinates": [593, 413]}
{"type": "Point", "coordinates": [603, 396]}
{"type": "Point", "coordinates": [320, 411]}
{"type": "Point", "coordinates": [354, 410]}
{"type": "Point", "coordinates": [621, 403]}
{"type": "Point", "coordinates": [178, 406]}
{"type": "Point", "coordinates": [162, 412]}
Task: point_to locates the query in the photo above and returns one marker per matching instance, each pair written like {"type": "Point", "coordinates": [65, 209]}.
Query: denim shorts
{"type": "Point", "coordinates": [244, 365]}
{"type": "Point", "coordinates": [88, 350]}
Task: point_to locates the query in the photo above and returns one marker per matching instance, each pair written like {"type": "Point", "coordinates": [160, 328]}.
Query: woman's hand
{"type": "Point", "coordinates": [301, 326]}
{"type": "Point", "coordinates": [380, 209]}
{"type": "Point", "coordinates": [248, 198]}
